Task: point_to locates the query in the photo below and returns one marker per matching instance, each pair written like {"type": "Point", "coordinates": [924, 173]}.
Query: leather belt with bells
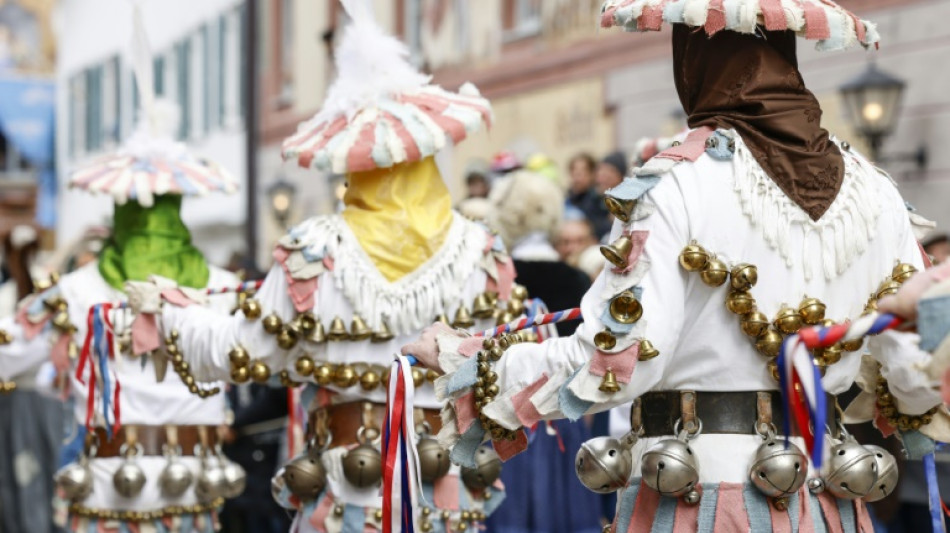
{"type": "Point", "coordinates": [737, 412]}
{"type": "Point", "coordinates": [152, 439]}
{"type": "Point", "coordinates": [342, 422]}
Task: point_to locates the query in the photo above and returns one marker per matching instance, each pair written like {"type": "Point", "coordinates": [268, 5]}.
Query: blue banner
{"type": "Point", "coordinates": [27, 121]}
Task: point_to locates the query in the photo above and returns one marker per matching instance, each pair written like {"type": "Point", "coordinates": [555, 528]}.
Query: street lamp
{"type": "Point", "coordinates": [872, 100]}
{"type": "Point", "coordinates": [281, 195]}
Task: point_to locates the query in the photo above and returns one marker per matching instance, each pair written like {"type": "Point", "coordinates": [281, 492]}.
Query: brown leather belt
{"type": "Point", "coordinates": [343, 421]}
{"type": "Point", "coordinates": [152, 440]}
{"type": "Point", "coordinates": [719, 412]}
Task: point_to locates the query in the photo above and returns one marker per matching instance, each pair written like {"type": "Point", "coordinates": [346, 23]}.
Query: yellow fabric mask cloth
{"type": "Point", "coordinates": [400, 215]}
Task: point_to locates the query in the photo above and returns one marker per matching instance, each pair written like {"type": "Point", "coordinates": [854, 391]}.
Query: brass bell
{"type": "Point", "coordinates": [304, 366]}
{"type": "Point", "coordinates": [369, 380]}
{"type": "Point", "coordinates": [175, 478]}
{"type": "Point", "coordinates": [463, 318]}
{"type": "Point", "coordinates": [788, 320]}
{"type": "Point", "coordinates": [603, 464]}
{"type": "Point", "coordinates": [744, 276]}
{"type": "Point", "coordinates": [625, 308]}
{"type": "Point", "coordinates": [482, 307]}
{"type": "Point", "coordinates": [519, 292]}
{"type": "Point", "coordinates": [273, 324]}
{"type": "Point", "coordinates": [740, 302]}
{"type": "Point", "coordinates": [55, 303]}
{"type": "Point", "coordinates": [886, 474]}
{"type": "Point", "coordinates": [769, 344]}
{"type": "Point", "coordinates": [235, 478]}
{"type": "Point", "coordinates": [129, 479]}
{"type": "Point", "coordinates": [61, 320]}
{"type": "Point", "coordinates": [486, 471]}
{"type": "Point", "coordinates": [647, 351]}
{"type": "Point", "coordinates": [888, 288]}
{"type": "Point", "coordinates": [307, 323]}
{"type": "Point", "coordinates": [345, 376]}
{"type": "Point", "coordinates": [433, 459]}
{"type": "Point", "coordinates": [260, 373]}
{"type": "Point", "coordinates": [903, 272]}
{"type": "Point", "coordinates": [619, 208]}
{"type": "Point", "coordinates": [323, 374]}
{"type": "Point", "coordinates": [287, 338]}
{"type": "Point", "coordinates": [831, 354]}
{"type": "Point", "coordinates": [319, 335]}
{"type": "Point", "coordinates": [443, 319]}
{"type": "Point", "coordinates": [605, 340]}
{"type": "Point", "coordinates": [504, 318]}
{"type": "Point", "coordinates": [240, 374]}
{"type": "Point", "coordinates": [694, 257]}
{"type": "Point", "coordinates": [812, 311]}
{"type": "Point", "coordinates": [609, 383]}
{"type": "Point", "coordinates": [754, 324]}
{"type": "Point", "coordinates": [715, 273]}
{"type": "Point", "coordinates": [251, 309]}
{"type": "Point", "coordinates": [305, 476]}
{"type": "Point", "coordinates": [337, 330]}
{"type": "Point", "coordinates": [363, 466]}
{"type": "Point", "coordinates": [516, 306]}
{"type": "Point", "coordinates": [852, 470]}
{"type": "Point", "coordinates": [852, 345]}
{"type": "Point", "coordinates": [618, 251]}
{"type": "Point", "coordinates": [384, 334]}
{"type": "Point", "coordinates": [359, 331]}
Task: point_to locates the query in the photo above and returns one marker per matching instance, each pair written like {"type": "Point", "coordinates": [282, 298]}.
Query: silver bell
{"type": "Point", "coordinates": [363, 466]}
{"type": "Point", "coordinates": [304, 476]}
{"type": "Point", "coordinates": [433, 459]}
{"type": "Point", "coordinates": [779, 471]}
{"type": "Point", "coordinates": [75, 480]}
{"type": "Point", "coordinates": [886, 474]}
{"type": "Point", "coordinates": [603, 464]}
{"type": "Point", "coordinates": [211, 484]}
{"type": "Point", "coordinates": [852, 470]}
{"type": "Point", "coordinates": [129, 478]}
{"type": "Point", "coordinates": [235, 478]}
{"type": "Point", "coordinates": [670, 467]}
{"type": "Point", "coordinates": [277, 485]}
{"type": "Point", "coordinates": [486, 471]}
{"type": "Point", "coordinates": [175, 478]}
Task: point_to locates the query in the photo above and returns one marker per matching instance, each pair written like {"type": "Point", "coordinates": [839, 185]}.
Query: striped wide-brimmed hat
{"type": "Point", "coordinates": [824, 21]}
{"type": "Point", "coordinates": [381, 111]}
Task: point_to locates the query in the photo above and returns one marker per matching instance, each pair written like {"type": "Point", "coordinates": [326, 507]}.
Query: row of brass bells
{"type": "Point", "coordinates": [670, 467]}
{"type": "Point", "coordinates": [359, 331]}
{"type": "Point", "coordinates": [251, 309]}
{"type": "Point", "coordinates": [175, 478]}
{"type": "Point", "coordinates": [211, 483]}
{"type": "Point", "coordinates": [604, 464]}
{"type": "Point", "coordinates": [621, 209]}
{"type": "Point", "coordinates": [740, 302]}
{"type": "Point", "coordinates": [305, 476]}
{"type": "Point", "coordinates": [363, 465]}
{"type": "Point", "coordinates": [618, 251]}
{"type": "Point", "coordinates": [903, 272]}
{"type": "Point", "coordinates": [434, 461]}
{"type": "Point", "coordinates": [625, 308]}
{"type": "Point", "coordinates": [852, 470]}
{"type": "Point", "coordinates": [769, 343]}
{"type": "Point", "coordinates": [715, 273]}
{"type": "Point", "coordinates": [779, 469]}
{"type": "Point", "coordinates": [694, 257]}
{"type": "Point", "coordinates": [788, 320]}
{"type": "Point", "coordinates": [754, 324]}
{"type": "Point", "coordinates": [75, 480]}
{"type": "Point", "coordinates": [605, 340]}
{"type": "Point", "coordinates": [129, 479]}
{"type": "Point", "coordinates": [463, 318]}
{"type": "Point", "coordinates": [743, 277]}
{"type": "Point", "coordinates": [812, 311]}
{"type": "Point", "coordinates": [486, 471]}
{"type": "Point", "coordinates": [483, 306]}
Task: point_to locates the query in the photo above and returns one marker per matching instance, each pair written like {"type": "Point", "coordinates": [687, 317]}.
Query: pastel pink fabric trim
{"type": "Point", "coordinates": [639, 240]}
{"type": "Point", "coordinates": [507, 449]}
{"type": "Point", "coordinates": [622, 363]}
{"type": "Point", "coordinates": [829, 508]}
{"type": "Point", "coordinates": [715, 17]}
{"type": "Point", "coordinates": [651, 18]}
{"type": "Point", "coordinates": [692, 148]}
{"type": "Point", "coordinates": [781, 521]}
{"type": "Point", "coordinates": [686, 519]}
{"type": "Point", "coordinates": [59, 354]}
{"type": "Point", "coordinates": [470, 346]}
{"type": "Point", "coordinates": [816, 21]}
{"type": "Point", "coordinates": [527, 413]}
{"type": "Point", "coordinates": [465, 412]}
{"type": "Point", "coordinates": [301, 291]}
{"type": "Point", "coordinates": [773, 14]}
{"type": "Point", "coordinates": [144, 331]}
{"type": "Point", "coordinates": [730, 509]}
{"type": "Point", "coordinates": [446, 492]}
{"type": "Point", "coordinates": [862, 517]}
{"type": "Point", "coordinates": [319, 517]}
{"type": "Point", "coordinates": [31, 329]}
{"type": "Point", "coordinates": [644, 509]}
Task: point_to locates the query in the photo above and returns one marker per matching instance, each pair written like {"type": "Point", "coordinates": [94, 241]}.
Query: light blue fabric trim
{"type": "Point", "coordinates": [463, 453]}
{"type": "Point", "coordinates": [187, 522]}
{"type": "Point", "coordinates": [673, 12]}
{"type": "Point", "coordinates": [633, 188]}
{"type": "Point", "coordinates": [846, 510]}
{"type": "Point", "coordinates": [93, 526]}
{"type": "Point", "coordinates": [836, 41]}
{"type": "Point", "coordinates": [917, 445]}
{"type": "Point", "coordinates": [720, 147]}
{"type": "Point", "coordinates": [464, 377]}
{"type": "Point", "coordinates": [817, 517]}
{"type": "Point", "coordinates": [424, 140]}
{"type": "Point", "coordinates": [497, 497]}
{"type": "Point", "coordinates": [731, 7]}
{"type": "Point", "coordinates": [314, 253]}
{"type": "Point", "coordinates": [572, 406]}
{"type": "Point", "coordinates": [756, 508]}
{"type": "Point", "coordinates": [381, 155]}
{"type": "Point", "coordinates": [353, 519]}
{"type": "Point", "coordinates": [933, 322]}
{"type": "Point", "coordinates": [625, 503]}
{"type": "Point", "coordinates": [706, 520]}
{"type": "Point", "coordinates": [665, 515]}
{"type": "Point", "coordinates": [794, 507]}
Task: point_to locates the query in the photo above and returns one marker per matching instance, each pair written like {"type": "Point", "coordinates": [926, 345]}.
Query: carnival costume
{"type": "Point", "coordinates": [150, 459]}
{"type": "Point", "coordinates": [758, 223]}
{"type": "Point", "coordinates": [348, 290]}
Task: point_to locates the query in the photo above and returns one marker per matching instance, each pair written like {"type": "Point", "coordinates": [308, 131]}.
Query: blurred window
{"type": "Point", "coordinates": [286, 52]}
{"type": "Point", "coordinates": [526, 20]}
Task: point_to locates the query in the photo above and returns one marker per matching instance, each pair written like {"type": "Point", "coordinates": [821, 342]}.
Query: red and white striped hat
{"type": "Point", "coordinates": [824, 21]}
{"type": "Point", "coordinates": [381, 111]}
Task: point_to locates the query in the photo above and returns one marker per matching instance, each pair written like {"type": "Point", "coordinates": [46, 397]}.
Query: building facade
{"type": "Point", "coordinates": [198, 61]}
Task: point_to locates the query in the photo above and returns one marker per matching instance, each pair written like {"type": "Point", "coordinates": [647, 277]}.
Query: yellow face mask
{"type": "Point", "coordinates": [400, 215]}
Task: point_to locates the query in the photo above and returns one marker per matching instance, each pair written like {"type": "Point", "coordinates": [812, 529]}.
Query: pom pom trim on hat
{"type": "Point", "coordinates": [824, 21]}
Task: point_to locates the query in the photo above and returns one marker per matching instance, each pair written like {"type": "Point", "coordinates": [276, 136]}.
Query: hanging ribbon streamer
{"type": "Point", "coordinates": [401, 474]}
{"type": "Point", "coordinates": [803, 396]}
{"type": "Point", "coordinates": [933, 491]}
{"type": "Point", "coordinates": [97, 351]}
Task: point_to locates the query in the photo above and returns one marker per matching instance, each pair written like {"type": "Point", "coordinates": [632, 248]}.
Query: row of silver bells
{"type": "Point", "coordinates": [218, 478]}
{"type": "Point", "coordinates": [857, 472]}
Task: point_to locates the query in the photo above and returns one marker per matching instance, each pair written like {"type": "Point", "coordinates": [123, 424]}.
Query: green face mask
{"type": "Point", "coordinates": [152, 240]}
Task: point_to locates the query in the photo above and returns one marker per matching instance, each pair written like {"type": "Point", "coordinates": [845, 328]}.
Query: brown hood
{"type": "Point", "coordinates": [751, 83]}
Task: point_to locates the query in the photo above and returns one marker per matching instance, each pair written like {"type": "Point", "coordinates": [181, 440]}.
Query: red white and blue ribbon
{"type": "Point", "coordinates": [533, 321]}
{"type": "Point", "coordinates": [803, 396]}
{"type": "Point", "coordinates": [401, 475]}
{"type": "Point", "coordinates": [97, 351]}
{"type": "Point", "coordinates": [827, 336]}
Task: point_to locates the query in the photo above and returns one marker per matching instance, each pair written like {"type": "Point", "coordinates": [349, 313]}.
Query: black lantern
{"type": "Point", "coordinates": [872, 100]}
{"type": "Point", "coordinates": [281, 195]}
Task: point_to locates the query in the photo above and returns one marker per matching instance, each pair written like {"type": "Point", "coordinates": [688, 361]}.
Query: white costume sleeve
{"type": "Point", "coordinates": [206, 336]}
{"type": "Point", "coordinates": [22, 355]}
